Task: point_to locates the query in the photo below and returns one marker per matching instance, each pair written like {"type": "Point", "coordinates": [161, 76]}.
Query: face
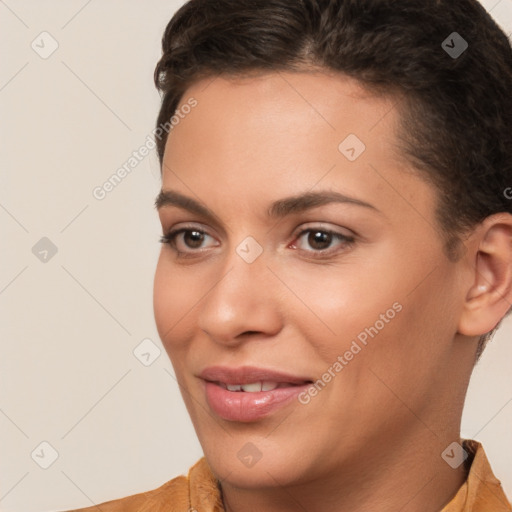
{"type": "Point", "coordinates": [316, 254]}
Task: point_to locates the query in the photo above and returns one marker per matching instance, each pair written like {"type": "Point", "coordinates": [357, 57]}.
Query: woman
{"type": "Point", "coordinates": [336, 221]}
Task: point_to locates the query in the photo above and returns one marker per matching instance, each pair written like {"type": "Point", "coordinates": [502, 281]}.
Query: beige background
{"type": "Point", "coordinates": [68, 327]}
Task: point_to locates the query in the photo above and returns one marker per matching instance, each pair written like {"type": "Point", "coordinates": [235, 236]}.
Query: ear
{"type": "Point", "coordinates": [490, 294]}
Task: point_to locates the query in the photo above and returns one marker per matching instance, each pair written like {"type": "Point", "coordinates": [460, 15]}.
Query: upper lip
{"type": "Point", "coordinates": [248, 375]}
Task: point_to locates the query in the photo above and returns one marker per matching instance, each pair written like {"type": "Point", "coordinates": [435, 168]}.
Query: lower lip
{"type": "Point", "coordinates": [245, 406]}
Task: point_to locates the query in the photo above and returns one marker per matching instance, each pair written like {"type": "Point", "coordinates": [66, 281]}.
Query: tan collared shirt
{"type": "Point", "coordinates": [199, 491]}
{"type": "Point", "coordinates": [482, 491]}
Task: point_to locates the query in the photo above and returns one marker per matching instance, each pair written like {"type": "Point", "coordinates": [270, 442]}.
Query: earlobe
{"type": "Point", "coordinates": [490, 294]}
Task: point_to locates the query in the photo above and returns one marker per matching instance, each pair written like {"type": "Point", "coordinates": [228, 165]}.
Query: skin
{"type": "Point", "coordinates": [372, 438]}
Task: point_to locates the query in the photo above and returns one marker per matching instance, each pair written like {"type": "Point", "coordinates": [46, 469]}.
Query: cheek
{"type": "Point", "coordinates": [409, 354]}
{"type": "Point", "coordinates": [162, 301]}
{"type": "Point", "coordinates": [334, 304]}
{"type": "Point", "coordinates": [381, 314]}
{"type": "Point", "coordinates": [173, 300]}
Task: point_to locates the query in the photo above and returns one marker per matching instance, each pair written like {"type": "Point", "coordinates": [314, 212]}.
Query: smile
{"type": "Point", "coordinates": [255, 387]}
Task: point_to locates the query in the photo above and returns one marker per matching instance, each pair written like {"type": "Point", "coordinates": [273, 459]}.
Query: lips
{"type": "Point", "coordinates": [247, 393]}
{"type": "Point", "coordinates": [250, 375]}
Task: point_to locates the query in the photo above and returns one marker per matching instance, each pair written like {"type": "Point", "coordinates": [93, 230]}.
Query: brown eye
{"type": "Point", "coordinates": [318, 242]}
{"type": "Point", "coordinates": [192, 238]}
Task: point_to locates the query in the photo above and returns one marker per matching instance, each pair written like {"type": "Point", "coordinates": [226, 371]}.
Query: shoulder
{"type": "Point", "coordinates": [482, 491]}
{"type": "Point", "coordinates": [175, 492]}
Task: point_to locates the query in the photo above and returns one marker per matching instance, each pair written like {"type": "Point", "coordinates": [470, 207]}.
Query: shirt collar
{"type": "Point", "coordinates": [482, 491]}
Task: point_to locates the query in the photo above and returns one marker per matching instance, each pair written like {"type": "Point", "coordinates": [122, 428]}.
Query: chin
{"type": "Point", "coordinates": [248, 469]}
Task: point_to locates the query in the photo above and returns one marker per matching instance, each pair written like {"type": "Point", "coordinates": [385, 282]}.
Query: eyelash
{"type": "Point", "coordinates": [170, 239]}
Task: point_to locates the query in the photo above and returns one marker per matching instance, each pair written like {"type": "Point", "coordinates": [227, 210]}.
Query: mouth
{"type": "Point", "coordinates": [255, 387]}
{"type": "Point", "coordinates": [248, 394]}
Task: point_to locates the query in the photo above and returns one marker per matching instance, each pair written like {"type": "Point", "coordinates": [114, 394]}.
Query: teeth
{"type": "Point", "coordinates": [253, 387]}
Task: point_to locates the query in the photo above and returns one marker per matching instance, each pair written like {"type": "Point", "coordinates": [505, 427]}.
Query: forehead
{"type": "Point", "coordinates": [245, 114]}
{"type": "Point", "coordinates": [260, 137]}
{"type": "Point", "coordinates": [330, 100]}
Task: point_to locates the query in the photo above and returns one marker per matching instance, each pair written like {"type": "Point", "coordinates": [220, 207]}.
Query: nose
{"type": "Point", "coordinates": [242, 303]}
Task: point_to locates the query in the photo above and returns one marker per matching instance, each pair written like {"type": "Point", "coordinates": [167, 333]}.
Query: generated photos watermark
{"type": "Point", "coordinates": [100, 192]}
{"type": "Point", "coordinates": [355, 348]}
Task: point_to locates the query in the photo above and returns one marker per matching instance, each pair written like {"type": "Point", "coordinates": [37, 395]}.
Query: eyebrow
{"type": "Point", "coordinates": [278, 209]}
